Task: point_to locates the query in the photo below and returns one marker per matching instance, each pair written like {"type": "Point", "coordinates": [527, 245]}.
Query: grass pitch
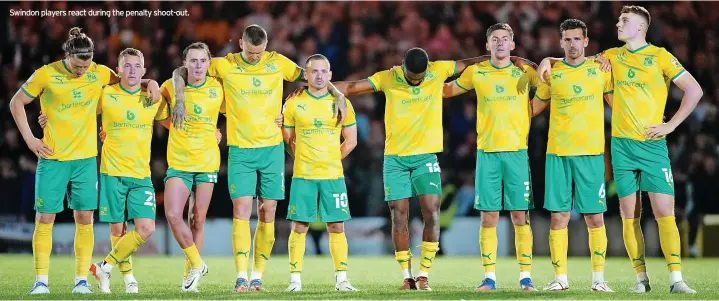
{"type": "Point", "coordinates": [377, 278]}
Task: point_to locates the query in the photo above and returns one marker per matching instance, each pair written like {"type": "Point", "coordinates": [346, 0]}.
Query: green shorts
{"type": "Point", "coordinates": [51, 185]}
{"type": "Point", "coordinates": [410, 176]}
{"type": "Point", "coordinates": [641, 165]}
{"type": "Point", "coordinates": [120, 193]}
{"type": "Point", "coordinates": [245, 165]}
{"type": "Point", "coordinates": [508, 171]}
{"type": "Point", "coordinates": [332, 195]}
{"type": "Point", "coordinates": [191, 178]}
{"type": "Point", "coordinates": [587, 175]}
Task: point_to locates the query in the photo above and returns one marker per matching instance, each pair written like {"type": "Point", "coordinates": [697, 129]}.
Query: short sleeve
{"type": "Point", "coordinates": [37, 82]}
{"type": "Point", "coordinates": [351, 118]}
{"type": "Point", "coordinates": [446, 68]}
{"type": "Point", "coordinates": [288, 111]}
{"type": "Point", "coordinates": [163, 111]}
{"type": "Point", "coordinates": [376, 79]}
{"type": "Point", "coordinates": [218, 67]}
{"type": "Point", "coordinates": [608, 82]}
{"type": "Point", "coordinates": [167, 91]}
{"type": "Point", "coordinates": [290, 71]}
{"type": "Point", "coordinates": [465, 80]}
{"type": "Point", "coordinates": [671, 67]}
{"type": "Point", "coordinates": [106, 74]}
{"type": "Point", "coordinates": [544, 92]}
{"type": "Point", "coordinates": [533, 75]}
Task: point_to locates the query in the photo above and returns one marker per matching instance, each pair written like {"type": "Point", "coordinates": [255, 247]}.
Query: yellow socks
{"type": "Point", "coordinates": [598, 250]}
{"type": "Point", "coordinates": [488, 248]}
{"type": "Point", "coordinates": [634, 243]}
{"type": "Point", "coordinates": [339, 251]}
{"type": "Point", "coordinates": [41, 249]}
{"type": "Point", "coordinates": [523, 246]}
{"type": "Point", "coordinates": [264, 240]}
{"type": "Point", "coordinates": [558, 245]}
{"type": "Point", "coordinates": [296, 246]}
{"type": "Point", "coordinates": [429, 250]}
{"type": "Point", "coordinates": [404, 258]}
{"type": "Point", "coordinates": [84, 243]}
{"type": "Point", "coordinates": [241, 244]}
{"type": "Point", "coordinates": [193, 256]}
{"type": "Point", "coordinates": [670, 242]}
{"type": "Point", "coordinates": [125, 266]}
{"type": "Point", "coordinates": [127, 245]}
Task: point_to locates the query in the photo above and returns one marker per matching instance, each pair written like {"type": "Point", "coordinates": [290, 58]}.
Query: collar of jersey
{"type": "Point", "coordinates": [574, 66]}
{"type": "Point", "coordinates": [316, 97]}
{"type": "Point", "coordinates": [66, 68]}
{"type": "Point", "coordinates": [247, 62]}
{"type": "Point", "coordinates": [404, 77]}
{"type": "Point", "coordinates": [198, 86]}
{"type": "Point", "coordinates": [638, 49]}
{"type": "Point", "coordinates": [129, 92]}
{"type": "Point", "coordinates": [499, 68]}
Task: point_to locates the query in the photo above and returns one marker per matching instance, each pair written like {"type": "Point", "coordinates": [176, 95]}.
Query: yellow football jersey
{"type": "Point", "coordinates": [70, 104]}
{"type": "Point", "coordinates": [194, 148]}
{"type": "Point", "coordinates": [128, 128]}
{"type": "Point", "coordinates": [254, 96]}
{"type": "Point", "coordinates": [317, 135]}
{"type": "Point", "coordinates": [576, 122]}
{"type": "Point", "coordinates": [502, 109]}
{"type": "Point", "coordinates": [413, 114]}
{"type": "Point", "coordinates": [641, 84]}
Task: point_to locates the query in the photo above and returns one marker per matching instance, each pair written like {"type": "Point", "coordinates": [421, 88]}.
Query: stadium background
{"type": "Point", "coordinates": [360, 38]}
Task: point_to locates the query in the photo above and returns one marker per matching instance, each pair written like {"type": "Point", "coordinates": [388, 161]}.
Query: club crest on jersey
{"type": "Point", "coordinates": [213, 93]}
{"type": "Point", "coordinates": [256, 82]}
{"type": "Point", "coordinates": [577, 89]}
{"type": "Point", "coordinates": [499, 88]}
{"type": "Point", "coordinates": [197, 109]}
{"type": "Point", "coordinates": [429, 76]}
{"type": "Point", "coordinates": [631, 73]}
{"type": "Point", "coordinates": [317, 123]}
{"type": "Point", "coordinates": [516, 73]}
{"type": "Point", "coordinates": [270, 67]}
{"type": "Point", "coordinates": [414, 90]}
{"type": "Point", "coordinates": [622, 56]}
{"type": "Point", "coordinates": [130, 115]}
{"type": "Point", "coordinates": [592, 72]}
{"type": "Point", "coordinates": [91, 77]}
{"type": "Point", "coordinates": [648, 61]}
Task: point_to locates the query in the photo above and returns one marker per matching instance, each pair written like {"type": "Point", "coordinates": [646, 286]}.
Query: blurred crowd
{"type": "Point", "coordinates": [360, 38]}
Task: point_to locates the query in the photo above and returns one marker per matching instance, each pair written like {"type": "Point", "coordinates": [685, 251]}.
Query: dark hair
{"type": "Point", "coordinates": [196, 45]}
{"type": "Point", "coordinates": [639, 10]}
{"type": "Point", "coordinates": [316, 57]}
{"type": "Point", "coordinates": [79, 45]}
{"type": "Point", "coordinates": [416, 60]}
{"type": "Point", "coordinates": [129, 52]}
{"type": "Point", "coordinates": [570, 24]}
{"type": "Point", "coordinates": [254, 34]}
{"type": "Point", "coordinates": [500, 26]}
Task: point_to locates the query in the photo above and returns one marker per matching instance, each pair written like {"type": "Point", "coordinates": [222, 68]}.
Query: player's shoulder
{"type": "Point", "coordinates": [111, 88]}
{"type": "Point", "coordinates": [167, 84]}
{"type": "Point", "coordinates": [213, 82]}
{"type": "Point", "coordinates": [611, 52]}
{"type": "Point", "coordinates": [658, 51]}
{"type": "Point", "coordinates": [272, 56]}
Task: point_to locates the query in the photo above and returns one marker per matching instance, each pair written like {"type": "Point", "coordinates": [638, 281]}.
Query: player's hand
{"type": "Point", "coordinates": [341, 109]}
{"type": "Point", "coordinates": [39, 148]}
{"type": "Point", "coordinates": [659, 130]}
{"type": "Point", "coordinates": [153, 94]}
{"type": "Point", "coordinates": [545, 70]}
{"type": "Point", "coordinates": [218, 135]}
{"type": "Point", "coordinates": [279, 120]}
{"type": "Point", "coordinates": [605, 64]}
{"type": "Point", "coordinates": [42, 120]}
{"type": "Point", "coordinates": [178, 113]}
{"type": "Point", "coordinates": [102, 135]}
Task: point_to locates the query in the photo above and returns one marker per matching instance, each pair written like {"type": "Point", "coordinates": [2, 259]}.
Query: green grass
{"type": "Point", "coordinates": [452, 278]}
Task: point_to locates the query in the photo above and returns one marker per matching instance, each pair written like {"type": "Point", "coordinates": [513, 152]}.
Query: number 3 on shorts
{"type": "Point", "coordinates": [433, 167]}
{"type": "Point", "coordinates": [340, 200]}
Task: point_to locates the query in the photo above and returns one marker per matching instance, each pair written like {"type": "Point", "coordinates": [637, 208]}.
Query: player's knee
{"type": "Point", "coordinates": [662, 204]}
{"type": "Point", "coordinates": [559, 220]}
{"type": "Point", "coordinates": [431, 218]}
{"type": "Point", "coordinates": [594, 220]}
{"type": "Point", "coordinates": [241, 210]}
{"type": "Point", "coordinates": [518, 217]}
{"type": "Point", "coordinates": [335, 227]}
{"type": "Point", "coordinates": [174, 218]}
{"type": "Point", "coordinates": [630, 206]}
{"type": "Point", "coordinates": [267, 210]}
{"type": "Point", "coordinates": [83, 217]}
{"type": "Point", "coordinates": [46, 218]}
{"type": "Point", "coordinates": [301, 227]}
{"type": "Point", "coordinates": [117, 229]}
{"type": "Point", "coordinates": [489, 218]}
{"type": "Point", "coordinates": [145, 230]}
{"type": "Point", "coordinates": [198, 223]}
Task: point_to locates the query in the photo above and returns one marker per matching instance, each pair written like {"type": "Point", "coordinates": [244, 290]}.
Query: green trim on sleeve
{"type": "Point", "coordinates": [609, 92]}
{"type": "Point", "coordinates": [349, 125]}
{"type": "Point", "coordinates": [456, 82]}
{"type": "Point", "coordinates": [27, 93]}
{"type": "Point", "coordinates": [678, 74]}
{"type": "Point", "coordinates": [374, 88]}
{"type": "Point", "coordinates": [302, 72]}
{"type": "Point", "coordinates": [288, 126]}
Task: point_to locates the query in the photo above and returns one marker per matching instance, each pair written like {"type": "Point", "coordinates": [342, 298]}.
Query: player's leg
{"type": "Point", "coordinates": [518, 200]}
{"type": "Point", "coordinates": [427, 184]}
{"type": "Point", "coordinates": [177, 190]}
{"type": "Point", "coordinates": [242, 182]}
{"type": "Point", "coordinates": [117, 231]}
{"type": "Point", "coordinates": [590, 195]}
{"type": "Point", "coordinates": [488, 200]}
{"type": "Point", "coordinates": [334, 210]}
{"type": "Point", "coordinates": [83, 200]}
{"type": "Point", "coordinates": [626, 177]}
{"type": "Point", "coordinates": [204, 186]}
{"type": "Point", "coordinates": [657, 179]}
{"type": "Point", "coordinates": [558, 200]}
{"type": "Point", "coordinates": [113, 198]}
{"type": "Point", "coordinates": [51, 181]}
{"type": "Point", "coordinates": [301, 211]}
{"type": "Point", "coordinates": [271, 166]}
{"type": "Point", "coordinates": [397, 191]}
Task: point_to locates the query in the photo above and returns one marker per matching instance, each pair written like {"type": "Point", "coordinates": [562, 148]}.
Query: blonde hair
{"type": "Point", "coordinates": [130, 52]}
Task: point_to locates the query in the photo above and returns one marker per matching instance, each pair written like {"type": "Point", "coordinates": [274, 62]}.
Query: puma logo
{"type": "Point", "coordinates": [600, 254]}
{"type": "Point", "coordinates": [641, 259]}
{"type": "Point", "coordinates": [555, 263]}
{"type": "Point", "coordinates": [293, 265]}
{"type": "Point", "coordinates": [265, 257]}
{"type": "Point", "coordinates": [428, 259]}
{"type": "Point", "coordinates": [527, 256]}
{"type": "Point", "coordinates": [343, 263]}
{"type": "Point", "coordinates": [433, 184]}
{"type": "Point", "coordinates": [302, 107]}
{"type": "Point", "coordinates": [488, 256]}
{"type": "Point", "coordinates": [247, 253]}
{"type": "Point", "coordinates": [402, 260]}
{"type": "Point", "coordinates": [675, 255]}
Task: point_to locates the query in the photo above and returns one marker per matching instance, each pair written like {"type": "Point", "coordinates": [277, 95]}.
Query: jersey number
{"type": "Point", "coordinates": [340, 200]}
{"type": "Point", "coordinates": [150, 201]}
{"type": "Point", "coordinates": [668, 175]}
{"type": "Point", "coordinates": [433, 167]}
{"type": "Point", "coordinates": [602, 191]}
{"type": "Point", "coordinates": [212, 178]}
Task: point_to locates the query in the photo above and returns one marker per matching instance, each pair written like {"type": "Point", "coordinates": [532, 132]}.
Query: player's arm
{"type": "Point", "coordinates": [350, 140]}
{"type": "Point", "coordinates": [460, 85]}
{"type": "Point", "coordinates": [692, 94]}
{"type": "Point", "coordinates": [34, 86]}
{"type": "Point", "coordinates": [179, 79]}
{"type": "Point", "coordinates": [288, 126]}
{"type": "Point", "coordinates": [164, 109]}
{"type": "Point", "coordinates": [356, 87]}
{"type": "Point", "coordinates": [288, 135]}
{"type": "Point", "coordinates": [541, 99]}
{"type": "Point", "coordinates": [609, 98]}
